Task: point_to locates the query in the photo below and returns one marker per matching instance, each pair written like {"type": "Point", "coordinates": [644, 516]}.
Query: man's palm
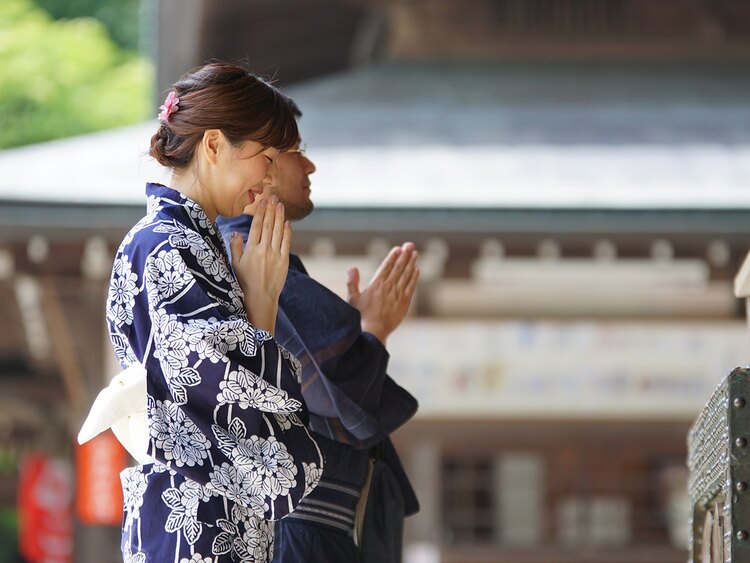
{"type": "Point", "coordinates": [385, 301]}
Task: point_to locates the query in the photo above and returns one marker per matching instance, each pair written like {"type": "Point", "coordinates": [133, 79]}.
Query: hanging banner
{"type": "Point", "coordinates": [98, 491]}
{"type": "Point", "coordinates": [45, 509]}
{"type": "Point", "coordinates": [565, 369]}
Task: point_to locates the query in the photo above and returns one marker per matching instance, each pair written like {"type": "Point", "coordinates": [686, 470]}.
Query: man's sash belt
{"type": "Point", "coordinates": [331, 503]}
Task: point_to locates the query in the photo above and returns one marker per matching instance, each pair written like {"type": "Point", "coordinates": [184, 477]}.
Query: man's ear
{"type": "Point", "coordinates": [212, 144]}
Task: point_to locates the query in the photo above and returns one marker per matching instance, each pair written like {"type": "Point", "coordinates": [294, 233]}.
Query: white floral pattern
{"type": "Point", "coordinates": [207, 255]}
{"type": "Point", "coordinates": [269, 459]}
{"type": "Point", "coordinates": [176, 435]}
{"type": "Point", "coordinates": [227, 304]}
{"type": "Point", "coordinates": [183, 504]}
{"type": "Point", "coordinates": [196, 213]}
{"type": "Point", "coordinates": [168, 273]}
{"type": "Point", "coordinates": [293, 361]}
{"type": "Point", "coordinates": [236, 303]}
{"type": "Point", "coordinates": [197, 558]}
{"type": "Point", "coordinates": [183, 237]}
{"type": "Point", "coordinates": [264, 336]}
{"type": "Point", "coordinates": [212, 339]}
{"type": "Point", "coordinates": [171, 343]}
{"type": "Point", "coordinates": [283, 420]}
{"type": "Point", "coordinates": [242, 487]}
{"type": "Point", "coordinates": [255, 544]}
{"type": "Point", "coordinates": [162, 468]}
{"type": "Point", "coordinates": [247, 390]}
{"type": "Point", "coordinates": [133, 487]}
{"type": "Point", "coordinates": [313, 473]}
{"type": "Point", "coordinates": [153, 206]}
{"type": "Point", "coordinates": [134, 557]}
{"type": "Point", "coordinates": [123, 351]}
{"type": "Point", "coordinates": [225, 467]}
{"type": "Point", "coordinates": [123, 289]}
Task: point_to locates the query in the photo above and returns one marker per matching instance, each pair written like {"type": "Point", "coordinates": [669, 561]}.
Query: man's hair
{"type": "Point", "coordinates": [294, 107]}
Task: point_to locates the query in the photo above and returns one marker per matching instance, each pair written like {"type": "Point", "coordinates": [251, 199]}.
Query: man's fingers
{"type": "Point", "coordinates": [400, 265]}
{"type": "Point", "coordinates": [402, 281]}
{"type": "Point", "coordinates": [411, 286]}
{"type": "Point", "coordinates": [352, 283]}
{"type": "Point", "coordinates": [387, 264]}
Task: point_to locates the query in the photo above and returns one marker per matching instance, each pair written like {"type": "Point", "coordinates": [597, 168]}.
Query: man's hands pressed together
{"type": "Point", "coordinates": [385, 301]}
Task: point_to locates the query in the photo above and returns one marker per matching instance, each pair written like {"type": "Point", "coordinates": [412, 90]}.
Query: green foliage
{"type": "Point", "coordinates": [64, 77]}
{"type": "Point", "coordinates": [8, 535]}
{"type": "Point", "coordinates": [8, 462]}
{"type": "Point", "coordinates": [119, 16]}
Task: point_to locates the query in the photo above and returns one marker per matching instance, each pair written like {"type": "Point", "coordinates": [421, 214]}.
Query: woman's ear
{"type": "Point", "coordinates": [212, 144]}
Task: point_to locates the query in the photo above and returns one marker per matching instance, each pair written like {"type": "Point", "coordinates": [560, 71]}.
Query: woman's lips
{"type": "Point", "coordinates": [253, 195]}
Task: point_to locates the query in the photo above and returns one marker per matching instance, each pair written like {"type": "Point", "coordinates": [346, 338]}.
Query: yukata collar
{"type": "Point", "coordinates": [158, 194]}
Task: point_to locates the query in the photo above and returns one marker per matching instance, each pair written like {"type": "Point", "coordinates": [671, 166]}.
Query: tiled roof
{"type": "Point", "coordinates": [498, 136]}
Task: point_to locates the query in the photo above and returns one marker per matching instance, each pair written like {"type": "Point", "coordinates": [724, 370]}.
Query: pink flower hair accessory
{"type": "Point", "coordinates": [170, 106]}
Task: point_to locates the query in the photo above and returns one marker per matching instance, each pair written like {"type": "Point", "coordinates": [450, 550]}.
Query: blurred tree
{"type": "Point", "coordinates": [119, 16]}
{"type": "Point", "coordinates": [64, 77]}
{"type": "Point", "coordinates": [9, 535]}
{"type": "Point", "coordinates": [8, 517]}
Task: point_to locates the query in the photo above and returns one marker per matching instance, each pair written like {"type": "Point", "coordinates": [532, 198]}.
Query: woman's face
{"type": "Point", "coordinates": [243, 172]}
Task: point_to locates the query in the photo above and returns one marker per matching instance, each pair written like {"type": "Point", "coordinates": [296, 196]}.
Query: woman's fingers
{"type": "Point", "coordinates": [256, 228]}
{"type": "Point", "coordinates": [235, 246]}
{"type": "Point", "coordinates": [278, 227]}
{"type": "Point", "coordinates": [286, 240]}
{"type": "Point", "coordinates": [268, 220]}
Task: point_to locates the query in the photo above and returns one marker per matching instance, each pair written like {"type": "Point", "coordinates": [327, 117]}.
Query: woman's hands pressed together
{"type": "Point", "coordinates": [261, 267]}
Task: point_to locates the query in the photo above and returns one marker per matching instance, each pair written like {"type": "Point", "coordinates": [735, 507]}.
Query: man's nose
{"type": "Point", "coordinates": [310, 166]}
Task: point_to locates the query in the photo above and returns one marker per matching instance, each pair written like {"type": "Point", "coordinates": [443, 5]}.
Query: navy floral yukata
{"type": "Point", "coordinates": [225, 412]}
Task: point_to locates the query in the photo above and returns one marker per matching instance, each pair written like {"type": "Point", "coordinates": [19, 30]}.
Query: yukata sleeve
{"type": "Point", "coordinates": [225, 407]}
{"type": "Point", "coordinates": [361, 373]}
{"type": "Point", "coordinates": [348, 391]}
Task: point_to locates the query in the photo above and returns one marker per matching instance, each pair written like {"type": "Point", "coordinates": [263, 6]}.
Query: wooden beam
{"type": "Point", "coordinates": [742, 280]}
{"type": "Point", "coordinates": [63, 347]}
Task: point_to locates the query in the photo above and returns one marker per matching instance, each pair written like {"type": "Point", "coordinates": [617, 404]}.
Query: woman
{"type": "Point", "coordinates": [226, 419]}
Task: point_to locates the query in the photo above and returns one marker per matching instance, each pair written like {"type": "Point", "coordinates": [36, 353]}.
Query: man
{"type": "Point", "coordinates": [354, 405]}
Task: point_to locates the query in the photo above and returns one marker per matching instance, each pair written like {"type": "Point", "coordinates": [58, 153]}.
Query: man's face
{"type": "Point", "coordinates": [291, 183]}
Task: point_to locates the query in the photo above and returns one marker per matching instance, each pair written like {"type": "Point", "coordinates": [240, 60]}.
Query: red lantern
{"type": "Point", "coordinates": [45, 509]}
